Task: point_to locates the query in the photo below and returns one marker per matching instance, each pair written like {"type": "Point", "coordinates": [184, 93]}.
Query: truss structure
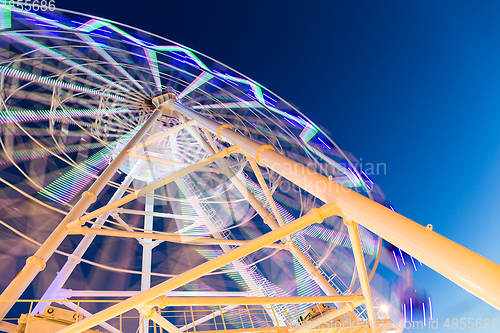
{"type": "Point", "coordinates": [227, 211]}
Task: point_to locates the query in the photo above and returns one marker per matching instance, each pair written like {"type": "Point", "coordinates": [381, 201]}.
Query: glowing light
{"type": "Point", "coordinates": [44, 80]}
{"type": "Point", "coordinates": [323, 142]}
{"type": "Point", "coordinates": [5, 17]}
{"type": "Point", "coordinates": [60, 57]}
{"type": "Point", "coordinates": [30, 154]}
{"type": "Point", "coordinates": [63, 189]}
{"type": "Point", "coordinates": [255, 88]}
{"type": "Point", "coordinates": [199, 81]}
{"type": "Point", "coordinates": [423, 312]}
{"type": "Point", "coordinates": [153, 65]}
{"type": "Point", "coordinates": [383, 308]}
{"type": "Point", "coordinates": [16, 115]}
{"type": "Point", "coordinates": [149, 49]}
{"type": "Point", "coordinates": [105, 55]}
{"type": "Point", "coordinates": [411, 309]}
{"type": "Point", "coordinates": [413, 262]}
{"type": "Point", "coordinates": [396, 260]}
{"type": "Point", "coordinates": [430, 309]}
{"type": "Point", "coordinates": [402, 258]}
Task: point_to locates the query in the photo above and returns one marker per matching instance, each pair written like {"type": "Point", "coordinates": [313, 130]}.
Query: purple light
{"type": "Point", "coordinates": [272, 99]}
{"type": "Point", "coordinates": [430, 308]}
{"type": "Point", "coordinates": [413, 263]}
{"type": "Point", "coordinates": [402, 258]}
{"type": "Point", "coordinates": [148, 43]}
{"type": "Point", "coordinates": [404, 313]}
{"type": "Point", "coordinates": [396, 260]}
{"type": "Point", "coordinates": [290, 122]}
{"type": "Point", "coordinates": [323, 142]}
{"type": "Point", "coordinates": [45, 25]}
{"type": "Point", "coordinates": [411, 310]}
{"type": "Point", "coordinates": [94, 34]}
{"type": "Point", "coordinates": [423, 311]}
{"type": "Point", "coordinates": [371, 181]}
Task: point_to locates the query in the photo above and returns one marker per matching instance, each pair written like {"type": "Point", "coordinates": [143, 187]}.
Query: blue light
{"type": "Point", "coordinates": [396, 260]}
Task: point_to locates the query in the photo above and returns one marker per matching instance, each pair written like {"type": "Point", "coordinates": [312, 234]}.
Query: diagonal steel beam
{"type": "Point", "coordinates": [80, 250]}
{"type": "Point", "coordinates": [36, 263]}
{"type": "Point", "coordinates": [460, 265]}
{"type": "Point", "coordinates": [361, 267]}
{"type": "Point", "coordinates": [269, 219]}
{"type": "Point", "coordinates": [162, 182]}
{"type": "Point", "coordinates": [166, 237]}
{"type": "Point", "coordinates": [207, 301]}
{"type": "Point", "coordinates": [160, 136]}
{"type": "Point", "coordinates": [315, 216]}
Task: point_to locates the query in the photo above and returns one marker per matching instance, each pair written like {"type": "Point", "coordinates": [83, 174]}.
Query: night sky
{"type": "Point", "coordinates": [412, 84]}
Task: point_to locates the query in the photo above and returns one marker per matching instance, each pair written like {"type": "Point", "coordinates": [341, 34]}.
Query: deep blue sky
{"type": "Point", "coordinates": [412, 84]}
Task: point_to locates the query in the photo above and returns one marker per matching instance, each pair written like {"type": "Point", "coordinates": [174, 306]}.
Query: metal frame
{"type": "Point", "coordinates": [453, 261]}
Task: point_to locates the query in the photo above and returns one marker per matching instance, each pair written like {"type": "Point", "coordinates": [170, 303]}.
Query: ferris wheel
{"type": "Point", "coordinates": [171, 192]}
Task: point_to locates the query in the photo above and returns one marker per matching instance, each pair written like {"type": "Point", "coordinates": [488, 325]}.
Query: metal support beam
{"type": "Point", "coordinates": [361, 267]}
{"type": "Point", "coordinates": [36, 263]}
{"type": "Point", "coordinates": [169, 238]}
{"type": "Point", "coordinates": [147, 253]}
{"type": "Point", "coordinates": [264, 187]}
{"type": "Point", "coordinates": [325, 318]}
{"type": "Point", "coordinates": [160, 136]}
{"type": "Point", "coordinates": [162, 182]}
{"type": "Point", "coordinates": [7, 327]}
{"type": "Point", "coordinates": [269, 219]}
{"type": "Point", "coordinates": [266, 217]}
{"type": "Point", "coordinates": [82, 247]}
{"type": "Point", "coordinates": [68, 293]}
{"type": "Point", "coordinates": [317, 215]}
{"type": "Point", "coordinates": [170, 162]}
{"type": "Point", "coordinates": [312, 270]}
{"type": "Point", "coordinates": [150, 313]}
{"type": "Point", "coordinates": [206, 301]}
{"type": "Point", "coordinates": [78, 308]}
{"type": "Point", "coordinates": [460, 265]}
{"type": "Point", "coordinates": [207, 318]}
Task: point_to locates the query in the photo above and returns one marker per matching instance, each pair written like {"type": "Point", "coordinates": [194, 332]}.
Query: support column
{"type": "Point", "coordinates": [74, 307]}
{"type": "Point", "coordinates": [460, 265]}
{"type": "Point", "coordinates": [36, 263]}
{"type": "Point", "coordinates": [150, 313]}
{"type": "Point", "coordinates": [147, 252]}
{"type": "Point", "coordinates": [317, 215]}
{"type": "Point", "coordinates": [272, 221]}
{"type": "Point", "coordinates": [80, 250]}
{"type": "Point", "coordinates": [359, 258]}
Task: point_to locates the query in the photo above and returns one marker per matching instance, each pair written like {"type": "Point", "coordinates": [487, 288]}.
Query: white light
{"type": "Point", "coordinates": [384, 308]}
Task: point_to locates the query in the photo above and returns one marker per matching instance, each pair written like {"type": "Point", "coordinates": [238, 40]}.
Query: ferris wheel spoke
{"type": "Point", "coordinates": [153, 64]}
{"type": "Point", "coordinates": [99, 49]}
{"type": "Point", "coordinates": [56, 55]}
{"type": "Point", "coordinates": [52, 82]}
{"type": "Point", "coordinates": [75, 90]}
{"type": "Point", "coordinates": [37, 153]}
{"type": "Point", "coordinates": [13, 114]}
{"type": "Point", "coordinates": [199, 81]}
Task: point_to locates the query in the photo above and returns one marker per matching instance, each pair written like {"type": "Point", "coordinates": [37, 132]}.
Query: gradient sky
{"type": "Point", "coordinates": [412, 84]}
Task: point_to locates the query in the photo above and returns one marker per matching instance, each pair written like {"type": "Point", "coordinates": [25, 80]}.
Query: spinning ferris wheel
{"type": "Point", "coordinates": [171, 192]}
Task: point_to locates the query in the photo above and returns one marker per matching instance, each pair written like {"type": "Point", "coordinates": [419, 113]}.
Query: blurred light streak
{"type": "Point", "coordinates": [40, 79]}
